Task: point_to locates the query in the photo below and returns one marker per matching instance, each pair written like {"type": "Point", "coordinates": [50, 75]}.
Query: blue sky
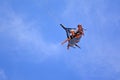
{"type": "Point", "coordinates": [30, 40]}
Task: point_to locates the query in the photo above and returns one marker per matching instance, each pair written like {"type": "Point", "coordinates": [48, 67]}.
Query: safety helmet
{"type": "Point", "coordinates": [72, 30]}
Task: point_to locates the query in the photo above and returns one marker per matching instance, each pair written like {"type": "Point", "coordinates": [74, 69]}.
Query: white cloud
{"type": "Point", "coordinates": [26, 34]}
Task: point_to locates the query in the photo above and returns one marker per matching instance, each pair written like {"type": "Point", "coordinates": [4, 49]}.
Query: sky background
{"type": "Point", "coordinates": [30, 40]}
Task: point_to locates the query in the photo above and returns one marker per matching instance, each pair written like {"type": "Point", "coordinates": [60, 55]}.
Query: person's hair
{"type": "Point", "coordinates": [79, 25]}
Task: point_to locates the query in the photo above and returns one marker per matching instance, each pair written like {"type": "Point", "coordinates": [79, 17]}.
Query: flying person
{"type": "Point", "coordinates": [79, 32]}
{"type": "Point", "coordinates": [76, 37]}
{"type": "Point", "coordinates": [73, 35]}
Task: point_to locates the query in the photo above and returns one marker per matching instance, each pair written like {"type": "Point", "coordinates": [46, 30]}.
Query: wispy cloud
{"type": "Point", "coordinates": [26, 33]}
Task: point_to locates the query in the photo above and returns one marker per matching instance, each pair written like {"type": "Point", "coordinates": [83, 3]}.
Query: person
{"type": "Point", "coordinates": [80, 30]}
{"type": "Point", "coordinates": [72, 34]}
{"type": "Point", "coordinates": [79, 33]}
